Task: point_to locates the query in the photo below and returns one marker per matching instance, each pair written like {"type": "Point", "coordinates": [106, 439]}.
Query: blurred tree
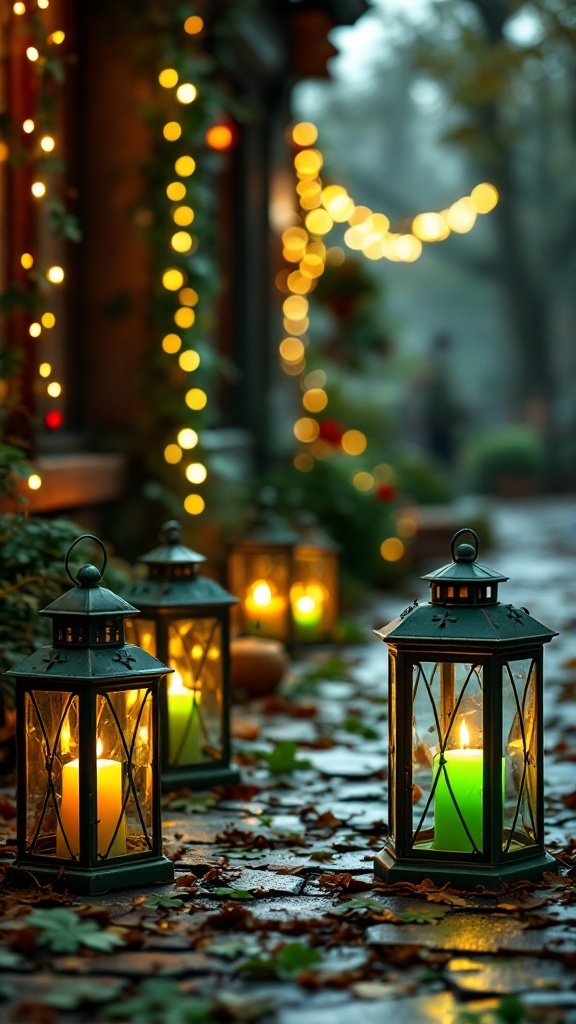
{"type": "Point", "coordinates": [508, 68]}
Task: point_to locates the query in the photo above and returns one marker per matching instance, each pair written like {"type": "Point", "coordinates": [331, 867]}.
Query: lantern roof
{"type": "Point", "coordinates": [171, 551]}
{"type": "Point", "coordinates": [312, 535]}
{"type": "Point", "coordinates": [268, 526]}
{"type": "Point", "coordinates": [173, 580]}
{"type": "Point", "coordinates": [465, 607]}
{"type": "Point", "coordinates": [96, 664]}
{"type": "Point", "coordinates": [88, 598]}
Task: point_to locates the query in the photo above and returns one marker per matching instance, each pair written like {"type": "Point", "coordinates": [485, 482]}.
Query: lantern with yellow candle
{"type": "Point", "coordinates": [185, 622]}
{"type": "Point", "coordinates": [465, 746]}
{"type": "Point", "coordinates": [88, 765]}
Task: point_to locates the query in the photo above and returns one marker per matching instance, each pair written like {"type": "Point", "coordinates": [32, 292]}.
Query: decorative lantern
{"type": "Point", "coordinates": [314, 592]}
{"type": "Point", "coordinates": [185, 621]}
{"type": "Point", "coordinates": [466, 745]}
{"type": "Point", "coordinates": [261, 573]}
{"type": "Point", "coordinates": [88, 765]}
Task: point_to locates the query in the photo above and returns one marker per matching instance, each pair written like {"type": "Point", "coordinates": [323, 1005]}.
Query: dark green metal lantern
{"type": "Point", "coordinates": [314, 592]}
{"type": "Point", "coordinates": [88, 759]}
{"type": "Point", "coordinates": [466, 746]}
{"type": "Point", "coordinates": [185, 622]}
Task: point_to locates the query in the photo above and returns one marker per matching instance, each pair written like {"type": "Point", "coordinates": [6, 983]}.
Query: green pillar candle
{"type": "Point", "coordinates": [184, 723]}
{"type": "Point", "coordinates": [465, 770]}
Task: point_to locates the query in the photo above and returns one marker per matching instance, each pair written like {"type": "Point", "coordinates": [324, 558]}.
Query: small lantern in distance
{"type": "Point", "coordinates": [89, 813]}
{"type": "Point", "coordinates": [185, 622]}
{"type": "Point", "coordinates": [261, 573]}
{"type": "Point", "coordinates": [314, 592]}
{"type": "Point", "coordinates": [466, 733]}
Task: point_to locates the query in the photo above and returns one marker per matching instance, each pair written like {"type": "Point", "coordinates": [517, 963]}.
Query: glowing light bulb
{"type": "Point", "coordinates": [45, 369]}
{"type": "Point", "coordinates": [187, 438]}
{"type": "Point", "coordinates": [196, 399]}
{"type": "Point", "coordinates": [28, 126]}
{"type": "Point", "coordinates": [171, 344]}
{"type": "Point", "coordinates": [172, 279]}
{"type": "Point", "coordinates": [186, 93]}
{"type": "Point", "coordinates": [55, 275]}
{"type": "Point", "coordinates": [193, 25]}
{"type": "Point", "coordinates": [34, 481]}
{"type": "Point", "coordinates": [185, 166]}
{"type": "Point", "coordinates": [172, 454]}
{"type": "Point", "coordinates": [57, 37]}
{"type": "Point", "coordinates": [196, 473]}
{"type": "Point", "coordinates": [54, 389]}
{"type": "Point", "coordinates": [19, 7]}
{"type": "Point", "coordinates": [48, 320]}
{"type": "Point", "coordinates": [32, 53]}
{"type": "Point", "coordinates": [168, 78]}
{"type": "Point", "coordinates": [47, 143]}
{"type": "Point", "coordinates": [38, 189]}
{"type": "Point", "coordinates": [172, 131]}
{"type": "Point", "coordinates": [219, 137]}
{"type": "Point", "coordinates": [194, 504]}
{"type": "Point", "coordinates": [183, 216]}
{"type": "Point", "coordinates": [189, 360]}
{"type": "Point", "coordinates": [176, 191]}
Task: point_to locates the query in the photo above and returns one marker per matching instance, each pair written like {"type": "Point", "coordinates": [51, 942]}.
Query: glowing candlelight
{"type": "Point", "coordinates": [109, 808]}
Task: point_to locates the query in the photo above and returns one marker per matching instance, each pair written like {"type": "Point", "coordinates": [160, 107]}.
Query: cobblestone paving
{"type": "Point", "coordinates": [275, 914]}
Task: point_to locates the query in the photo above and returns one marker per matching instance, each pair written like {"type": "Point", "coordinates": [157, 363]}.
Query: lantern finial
{"type": "Point", "coordinates": [171, 532]}
{"type": "Point", "coordinates": [88, 576]}
{"type": "Point", "coordinates": [465, 552]}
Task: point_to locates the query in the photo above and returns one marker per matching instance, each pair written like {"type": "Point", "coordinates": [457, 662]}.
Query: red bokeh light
{"type": "Point", "coordinates": [54, 419]}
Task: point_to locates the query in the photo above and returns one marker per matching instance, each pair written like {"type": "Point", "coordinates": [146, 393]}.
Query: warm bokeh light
{"type": "Point", "coordinates": [28, 126]}
{"type": "Point", "coordinates": [19, 7]}
{"type": "Point", "coordinates": [297, 327]}
{"type": "Point", "coordinates": [181, 241]}
{"type": "Point", "coordinates": [55, 275]}
{"type": "Point", "coordinates": [484, 197]}
{"type": "Point", "coordinates": [173, 453]}
{"type": "Point", "coordinates": [312, 265]}
{"type": "Point", "coordinates": [407, 526]}
{"type": "Point", "coordinates": [196, 399]}
{"type": "Point", "coordinates": [187, 438]}
{"type": "Point", "coordinates": [408, 248]}
{"type": "Point", "coordinates": [461, 216]}
{"type": "Point", "coordinates": [45, 369]}
{"type": "Point", "coordinates": [47, 143]}
{"type": "Point", "coordinates": [176, 191]}
{"type": "Point", "coordinates": [171, 343]}
{"type": "Point", "coordinates": [57, 37]}
{"type": "Point", "coordinates": [305, 133]}
{"type": "Point", "coordinates": [189, 360]}
{"type": "Point", "coordinates": [308, 163]}
{"type": "Point", "coordinates": [314, 379]}
{"type": "Point", "coordinates": [359, 215]}
{"type": "Point", "coordinates": [183, 216]}
{"type": "Point", "coordinates": [194, 504]}
{"type": "Point", "coordinates": [298, 283]}
{"type": "Point", "coordinates": [172, 279]}
{"type": "Point", "coordinates": [186, 93]}
{"type": "Point", "coordinates": [54, 389]}
{"type": "Point", "coordinates": [184, 317]}
{"type": "Point", "coordinates": [35, 330]}
{"type": "Point", "coordinates": [48, 320]}
{"type": "Point", "coordinates": [363, 481]}
{"type": "Point", "coordinates": [306, 430]}
{"type": "Point", "coordinates": [295, 307]}
{"type": "Point", "coordinates": [353, 442]}
{"type": "Point", "coordinates": [292, 350]}
{"type": "Point", "coordinates": [430, 227]}
{"type": "Point", "coordinates": [32, 53]}
{"type": "Point", "coordinates": [27, 260]}
{"type": "Point", "coordinates": [172, 131]}
{"type": "Point", "coordinates": [185, 166]}
{"type": "Point", "coordinates": [335, 256]}
{"type": "Point", "coordinates": [196, 472]}
{"type": "Point", "coordinates": [34, 481]}
{"type": "Point", "coordinates": [319, 222]}
{"type": "Point", "coordinates": [38, 189]}
{"type": "Point", "coordinates": [168, 78]}
{"type": "Point", "coordinates": [193, 25]}
{"type": "Point", "coordinates": [383, 473]}
{"type": "Point", "coordinates": [188, 297]}
{"type": "Point", "coordinates": [304, 462]}
{"type": "Point", "coordinates": [392, 549]}
{"type": "Point", "coordinates": [315, 400]}
{"type": "Point", "coordinates": [220, 137]}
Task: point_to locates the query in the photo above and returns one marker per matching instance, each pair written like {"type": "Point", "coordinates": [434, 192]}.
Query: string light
{"type": "Point", "coordinates": [38, 189]}
{"type": "Point", "coordinates": [32, 53]}
{"type": "Point", "coordinates": [55, 275]}
{"type": "Point", "coordinates": [186, 93]}
{"type": "Point", "coordinates": [193, 25]}
{"type": "Point", "coordinates": [47, 143]}
{"type": "Point", "coordinates": [28, 126]}
{"type": "Point", "coordinates": [34, 481]}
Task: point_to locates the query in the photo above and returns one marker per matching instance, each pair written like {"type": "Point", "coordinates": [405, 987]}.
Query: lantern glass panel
{"type": "Point", "coordinates": [51, 741]}
{"type": "Point", "coordinates": [447, 756]}
{"type": "Point", "coordinates": [313, 594]}
{"type": "Point", "coordinates": [142, 632]}
{"type": "Point", "coordinates": [195, 690]}
{"type": "Point", "coordinates": [520, 737]}
{"type": "Point", "coordinates": [261, 579]}
{"type": "Point", "coordinates": [124, 772]}
{"type": "Point", "coordinates": [392, 748]}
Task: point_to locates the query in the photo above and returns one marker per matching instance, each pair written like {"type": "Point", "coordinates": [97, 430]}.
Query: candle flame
{"type": "Point", "coordinates": [261, 593]}
{"type": "Point", "coordinates": [306, 603]}
{"type": "Point", "coordinates": [464, 735]}
{"type": "Point", "coordinates": [99, 747]}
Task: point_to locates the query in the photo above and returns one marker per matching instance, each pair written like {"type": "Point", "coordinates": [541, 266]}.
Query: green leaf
{"type": "Point", "coordinates": [160, 1001]}
{"type": "Point", "coordinates": [285, 964]}
{"type": "Point", "coordinates": [358, 728]}
{"type": "Point", "coordinates": [360, 903]}
{"type": "Point", "coordinates": [62, 931]}
{"type": "Point", "coordinates": [162, 902]}
{"type": "Point", "coordinates": [283, 759]}
{"type": "Point", "coordinates": [234, 948]}
{"type": "Point", "coordinates": [192, 803]}
{"type": "Point", "coordinates": [77, 992]}
{"type": "Point", "coordinates": [8, 959]}
{"type": "Point", "coordinates": [232, 894]}
{"type": "Point", "coordinates": [322, 856]}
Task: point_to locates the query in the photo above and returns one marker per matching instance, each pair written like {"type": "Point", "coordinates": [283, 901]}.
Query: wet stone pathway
{"type": "Point", "coordinates": [275, 915]}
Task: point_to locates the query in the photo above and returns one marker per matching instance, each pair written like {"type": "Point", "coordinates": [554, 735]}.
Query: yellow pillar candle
{"type": "Point", "coordinates": [184, 723]}
{"type": "Point", "coordinates": [265, 611]}
{"type": "Point", "coordinates": [108, 804]}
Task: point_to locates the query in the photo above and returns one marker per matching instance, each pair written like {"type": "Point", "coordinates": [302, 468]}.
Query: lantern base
{"type": "Point", "coordinates": [464, 876]}
{"type": "Point", "coordinates": [199, 778]}
{"type": "Point", "coordinates": [92, 882]}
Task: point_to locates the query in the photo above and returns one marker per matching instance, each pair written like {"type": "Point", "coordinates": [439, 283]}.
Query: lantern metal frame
{"type": "Point", "coordinates": [88, 660]}
{"type": "Point", "coordinates": [463, 624]}
{"type": "Point", "coordinates": [173, 590]}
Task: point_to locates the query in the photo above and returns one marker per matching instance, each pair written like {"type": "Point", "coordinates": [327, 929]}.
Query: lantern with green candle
{"type": "Point", "coordinates": [465, 748]}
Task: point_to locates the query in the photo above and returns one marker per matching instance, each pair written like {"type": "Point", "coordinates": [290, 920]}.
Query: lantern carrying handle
{"type": "Point", "coordinates": [85, 536]}
{"type": "Point", "coordinates": [465, 529]}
